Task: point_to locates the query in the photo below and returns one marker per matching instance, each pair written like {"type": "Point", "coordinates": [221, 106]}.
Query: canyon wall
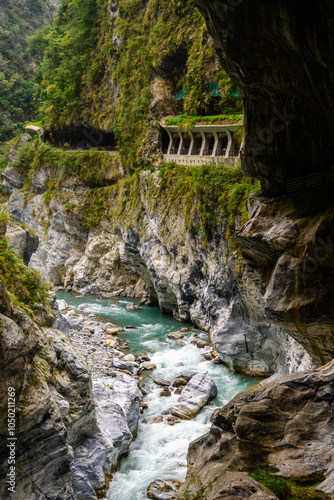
{"type": "Point", "coordinates": [151, 251]}
{"type": "Point", "coordinates": [281, 57]}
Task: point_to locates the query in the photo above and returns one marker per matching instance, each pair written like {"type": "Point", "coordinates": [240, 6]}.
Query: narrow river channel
{"type": "Point", "coordinates": [160, 450]}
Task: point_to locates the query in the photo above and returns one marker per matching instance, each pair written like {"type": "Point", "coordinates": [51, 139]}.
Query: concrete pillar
{"type": "Point", "coordinates": [191, 143]}
{"type": "Point", "coordinates": [170, 141]}
{"type": "Point", "coordinates": [215, 146]}
{"type": "Point", "coordinates": [203, 143]}
{"type": "Point", "coordinates": [181, 142]}
{"type": "Point", "coordinates": [229, 143]}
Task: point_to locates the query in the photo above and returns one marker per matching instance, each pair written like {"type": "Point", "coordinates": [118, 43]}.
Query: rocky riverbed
{"type": "Point", "coordinates": [119, 340]}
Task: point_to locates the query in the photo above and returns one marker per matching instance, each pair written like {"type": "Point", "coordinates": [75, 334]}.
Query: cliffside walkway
{"type": "Point", "coordinates": [201, 144]}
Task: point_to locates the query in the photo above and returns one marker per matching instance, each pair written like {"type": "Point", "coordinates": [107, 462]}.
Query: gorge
{"type": "Point", "coordinates": [228, 251]}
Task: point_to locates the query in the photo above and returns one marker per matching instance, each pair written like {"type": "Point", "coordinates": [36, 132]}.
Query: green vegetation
{"type": "Point", "coordinates": [302, 488]}
{"type": "Point", "coordinates": [91, 167]}
{"type": "Point", "coordinates": [88, 78]}
{"type": "Point", "coordinates": [4, 150]}
{"type": "Point", "coordinates": [19, 20]}
{"type": "Point", "coordinates": [206, 196]}
{"type": "Point", "coordinates": [24, 285]}
{"type": "Point", "coordinates": [185, 122]}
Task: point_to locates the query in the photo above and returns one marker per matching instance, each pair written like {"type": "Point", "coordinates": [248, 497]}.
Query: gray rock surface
{"type": "Point", "coordinates": [163, 489]}
{"type": "Point", "coordinates": [285, 423]}
{"type": "Point", "coordinates": [165, 265]}
{"type": "Point", "coordinates": [68, 443]}
{"type": "Point", "coordinates": [198, 391]}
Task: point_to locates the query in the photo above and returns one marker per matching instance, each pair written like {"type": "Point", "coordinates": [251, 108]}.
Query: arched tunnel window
{"type": "Point", "coordinates": [164, 140]}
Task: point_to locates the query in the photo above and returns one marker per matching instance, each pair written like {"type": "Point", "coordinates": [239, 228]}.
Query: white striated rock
{"type": "Point", "coordinates": [62, 304]}
{"type": "Point", "coordinates": [198, 391]}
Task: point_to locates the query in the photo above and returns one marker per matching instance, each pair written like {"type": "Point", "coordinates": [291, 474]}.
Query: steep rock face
{"type": "Point", "coordinates": [286, 423]}
{"type": "Point", "coordinates": [288, 244]}
{"type": "Point", "coordinates": [281, 57]}
{"type": "Point", "coordinates": [63, 449]}
{"type": "Point", "coordinates": [163, 261]}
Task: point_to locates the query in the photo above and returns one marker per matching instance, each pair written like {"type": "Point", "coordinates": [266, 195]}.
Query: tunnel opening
{"type": "Point", "coordinates": [81, 138]}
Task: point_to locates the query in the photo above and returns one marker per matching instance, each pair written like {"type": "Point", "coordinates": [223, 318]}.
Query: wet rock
{"type": "Point", "coordinates": [157, 420]}
{"type": "Point", "coordinates": [180, 381]}
{"type": "Point", "coordinates": [201, 344]}
{"type": "Point", "coordinates": [147, 365]}
{"type": "Point", "coordinates": [208, 356]}
{"type": "Point", "coordinates": [171, 420]}
{"type": "Point", "coordinates": [178, 390]}
{"type": "Point", "coordinates": [129, 357]}
{"type": "Point", "coordinates": [131, 307]}
{"type": "Point", "coordinates": [162, 382]}
{"type": "Point", "coordinates": [163, 489]}
{"type": "Point", "coordinates": [165, 392]}
{"type": "Point", "coordinates": [112, 331]}
{"type": "Point", "coordinates": [131, 366]}
{"type": "Point", "coordinates": [175, 335]}
{"type": "Point", "coordinates": [199, 390]}
{"type": "Point", "coordinates": [184, 329]}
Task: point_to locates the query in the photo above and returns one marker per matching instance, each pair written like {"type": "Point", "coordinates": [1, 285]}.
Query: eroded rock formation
{"type": "Point", "coordinates": [286, 424]}
{"type": "Point", "coordinates": [161, 260]}
{"type": "Point", "coordinates": [66, 447]}
{"type": "Point", "coordinates": [280, 56]}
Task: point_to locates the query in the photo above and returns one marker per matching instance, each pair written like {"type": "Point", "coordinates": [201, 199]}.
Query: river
{"type": "Point", "coordinates": [160, 450]}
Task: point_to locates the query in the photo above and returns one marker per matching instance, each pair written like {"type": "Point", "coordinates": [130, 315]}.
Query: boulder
{"type": "Point", "coordinates": [175, 335]}
{"type": "Point", "coordinates": [162, 382]}
{"type": "Point", "coordinates": [106, 326]}
{"type": "Point", "coordinates": [62, 305]}
{"type": "Point", "coordinates": [199, 390]}
{"type": "Point", "coordinates": [114, 343]}
{"type": "Point", "coordinates": [112, 331]}
{"type": "Point", "coordinates": [129, 357]}
{"type": "Point", "coordinates": [202, 343]}
{"type": "Point", "coordinates": [163, 489]}
{"type": "Point", "coordinates": [180, 381]}
{"type": "Point", "coordinates": [131, 307]}
{"type": "Point", "coordinates": [165, 392]}
{"type": "Point", "coordinates": [131, 366]}
{"type": "Point", "coordinates": [147, 365]}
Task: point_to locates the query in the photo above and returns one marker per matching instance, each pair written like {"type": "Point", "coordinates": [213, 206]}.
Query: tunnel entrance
{"type": "Point", "coordinates": [81, 138]}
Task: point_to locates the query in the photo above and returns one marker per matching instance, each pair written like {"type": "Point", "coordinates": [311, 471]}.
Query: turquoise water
{"type": "Point", "coordinates": [160, 450]}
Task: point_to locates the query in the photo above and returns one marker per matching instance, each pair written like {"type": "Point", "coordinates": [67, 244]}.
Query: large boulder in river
{"type": "Point", "coordinates": [163, 489]}
{"type": "Point", "coordinates": [199, 390]}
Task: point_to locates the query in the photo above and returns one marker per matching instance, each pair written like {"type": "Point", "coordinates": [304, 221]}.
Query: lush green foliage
{"type": "Point", "coordinates": [19, 20]}
{"type": "Point", "coordinates": [99, 68]}
{"type": "Point", "coordinates": [93, 167]}
{"type": "Point", "coordinates": [291, 489]}
{"type": "Point", "coordinates": [185, 122]}
{"type": "Point", "coordinates": [23, 284]}
{"type": "Point", "coordinates": [207, 196]}
{"type": "Point", "coordinates": [4, 150]}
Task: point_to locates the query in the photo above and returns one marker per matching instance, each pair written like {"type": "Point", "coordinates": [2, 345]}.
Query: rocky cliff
{"type": "Point", "coordinates": [146, 246]}
{"type": "Point", "coordinates": [284, 427]}
{"type": "Point", "coordinates": [63, 446]}
{"type": "Point", "coordinates": [280, 56]}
